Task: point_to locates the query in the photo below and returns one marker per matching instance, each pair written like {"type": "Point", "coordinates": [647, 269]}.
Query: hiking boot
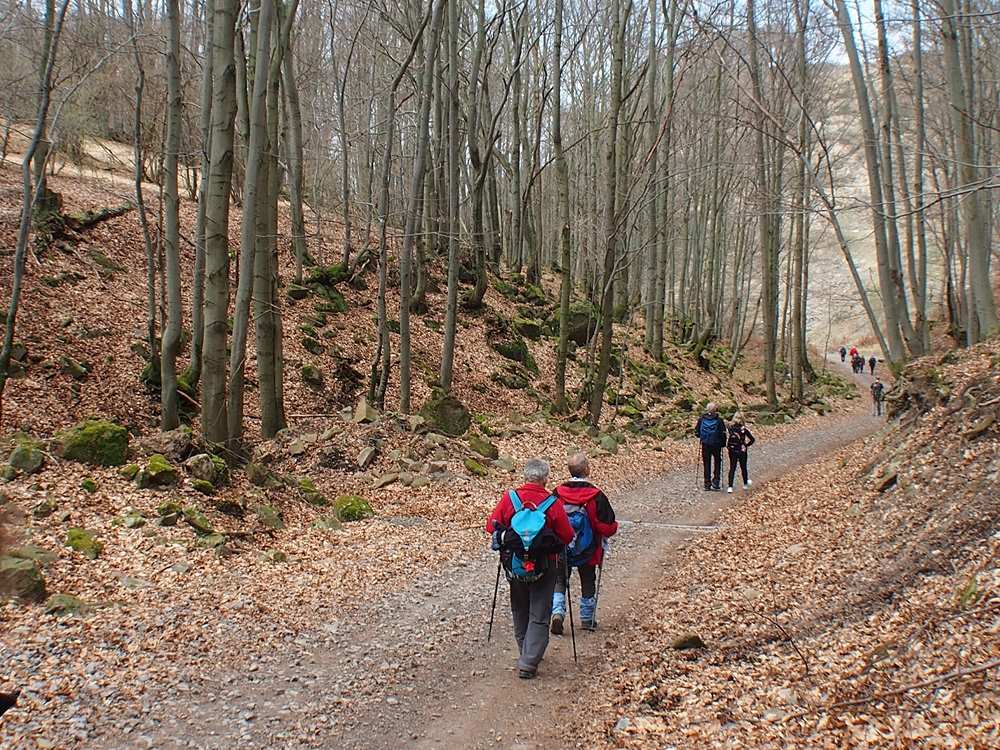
{"type": "Point", "coordinates": [716, 487]}
{"type": "Point", "coordinates": [527, 674]}
{"type": "Point", "coordinates": [588, 625]}
{"type": "Point", "coordinates": [749, 483]}
{"type": "Point", "coordinates": [708, 488]}
{"type": "Point", "coordinates": [729, 489]}
{"type": "Point", "coordinates": [557, 625]}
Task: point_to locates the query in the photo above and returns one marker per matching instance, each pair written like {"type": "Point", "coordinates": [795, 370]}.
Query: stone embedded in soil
{"type": "Point", "coordinates": [85, 542]}
{"type": "Point", "coordinates": [327, 523]}
{"type": "Point", "coordinates": [352, 508]}
{"type": "Point", "coordinates": [687, 641]}
{"type": "Point", "coordinates": [446, 414]}
{"type": "Point", "coordinates": [174, 444]}
{"type": "Point", "coordinates": [208, 468]}
{"type": "Point", "coordinates": [44, 509]}
{"type": "Point", "coordinates": [63, 605]}
{"type": "Point", "coordinates": [27, 457]}
{"type": "Point", "coordinates": [198, 521]}
{"type": "Point", "coordinates": [31, 552]}
{"type": "Point", "coordinates": [21, 579]}
{"type": "Point", "coordinates": [270, 516]}
{"type": "Point", "coordinates": [366, 457]}
{"type": "Point", "coordinates": [484, 448]}
{"type": "Point", "coordinates": [95, 441]}
{"type": "Point", "coordinates": [385, 480]}
{"type": "Point", "coordinates": [475, 468]}
{"type": "Point", "coordinates": [364, 413]}
{"type": "Point", "coordinates": [158, 472]}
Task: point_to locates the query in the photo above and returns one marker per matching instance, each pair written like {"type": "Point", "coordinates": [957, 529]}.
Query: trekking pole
{"type": "Point", "coordinates": [493, 609]}
{"type": "Point", "coordinates": [569, 604]}
{"type": "Point", "coordinates": [496, 587]}
{"type": "Point", "coordinates": [597, 592]}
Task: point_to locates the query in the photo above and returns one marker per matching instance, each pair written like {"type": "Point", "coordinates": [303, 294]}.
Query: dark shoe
{"type": "Point", "coordinates": [526, 674]}
{"type": "Point", "coordinates": [716, 487]}
{"type": "Point", "coordinates": [557, 625]}
{"type": "Point", "coordinates": [708, 488]}
{"type": "Point", "coordinates": [588, 625]}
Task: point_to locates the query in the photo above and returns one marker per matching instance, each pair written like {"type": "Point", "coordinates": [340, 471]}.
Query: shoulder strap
{"type": "Point", "coordinates": [515, 501]}
{"type": "Point", "coordinates": [546, 503]}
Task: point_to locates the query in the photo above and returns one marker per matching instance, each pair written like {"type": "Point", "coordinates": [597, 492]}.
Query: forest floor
{"type": "Point", "coordinates": [414, 669]}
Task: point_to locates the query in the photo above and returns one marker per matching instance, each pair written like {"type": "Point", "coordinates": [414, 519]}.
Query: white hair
{"type": "Point", "coordinates": [536, 470]}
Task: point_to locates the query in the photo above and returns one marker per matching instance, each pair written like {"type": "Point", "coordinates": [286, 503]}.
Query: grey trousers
{"type": "Point", "coordinates": [531, 607]}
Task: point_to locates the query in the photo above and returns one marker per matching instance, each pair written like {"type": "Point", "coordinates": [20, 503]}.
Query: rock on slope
{"type": "Point", "coordinates": [854, 604]}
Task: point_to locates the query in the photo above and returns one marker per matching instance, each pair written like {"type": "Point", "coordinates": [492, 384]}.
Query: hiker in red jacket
{"type": "Point", "coordinates": [593, 520]}
{"type": "Point", "coordinates": [531, 573]}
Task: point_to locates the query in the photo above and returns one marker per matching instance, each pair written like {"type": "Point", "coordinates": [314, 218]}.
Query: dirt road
{"type": "Point", "coordinates": [414, 669]}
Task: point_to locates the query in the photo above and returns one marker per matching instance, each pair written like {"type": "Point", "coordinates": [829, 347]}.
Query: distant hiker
{"type": "Point", "coordinates": [878, 396]}
{"type": "Point", "coordinates": [740, 439]}
{"type": "Point", "coordinates": [871, 363]}
{"type": "Point", "coordinates": [843, 354]}
{"type": "Point", "coordinates": [853, 352]}
{"type": "Point", "coordinates": [711, 431]}
{"type": "Point", "coordinates": [533, 529]}
{"type": "Point", "coordinates": [593, 519]}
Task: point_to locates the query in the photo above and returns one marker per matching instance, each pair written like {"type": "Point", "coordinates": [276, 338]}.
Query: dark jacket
{"type": "Point", "coordinates": [740, 438]}
{"type": "Point", "coordinates": [712, 423]}
{"type": "Point", "coordinates": [580, 492]}
{"type": "Point", "coordinates": [533, 495]}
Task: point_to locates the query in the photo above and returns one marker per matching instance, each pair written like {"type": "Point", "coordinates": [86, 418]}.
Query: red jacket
{"type": "Point", "coordinates": [582, 493]}
{"type": "Point", "coordinates": [532, 495]}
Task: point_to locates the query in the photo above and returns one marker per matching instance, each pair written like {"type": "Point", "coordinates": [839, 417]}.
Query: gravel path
{"type": "Point", "coordinates": [414, 670]}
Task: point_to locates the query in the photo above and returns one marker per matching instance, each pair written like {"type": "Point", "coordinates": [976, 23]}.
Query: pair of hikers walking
{"type": "Point", "coordinates": [713, 435]}
{"type": "Point", "coordinates": [541, 538]}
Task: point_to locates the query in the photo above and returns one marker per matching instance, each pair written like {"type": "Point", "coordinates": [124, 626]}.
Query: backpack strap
{"type": "Point", "coordinates": [515, 501]}
{"type": "Point", "coordinates": [546, 503]}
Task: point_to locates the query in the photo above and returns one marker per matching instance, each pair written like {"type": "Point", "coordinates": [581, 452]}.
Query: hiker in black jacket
{"type": "Point", "coordinates": [843, 354]}
{"type": "Point", "coordinates": [871, 363]}
{"type": "Point", "coordinates": [740, 439]}
{"type": "Point", "coordinates": [711, 431]}
{"type": "Point", "coordinates": [878, 396]}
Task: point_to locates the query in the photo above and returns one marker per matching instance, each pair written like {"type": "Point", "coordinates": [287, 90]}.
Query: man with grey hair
{"type": "Point", "coordinates": [531, 572]}
{"type": "Point", "coordinates": [593, 520]}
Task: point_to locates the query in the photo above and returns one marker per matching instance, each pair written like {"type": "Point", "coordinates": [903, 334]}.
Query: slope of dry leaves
{"type": "Point", "coordinates": [853, 604]}
{"type": "Point", "coordinates": [165, 609]}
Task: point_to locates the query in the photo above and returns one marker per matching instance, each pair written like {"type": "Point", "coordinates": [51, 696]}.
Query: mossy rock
{"type": "Point", "coordinates": [198, 521]}
{"type": "Point", "coordinates": [309, 492]}
{"type": "Point", "coordinates": [97, 442]}
{"type": "Point", "coordinates": [64, 605]}
{"type": "Point", "coordinates": [511, 379]}
{"type": "Point", "coordinates": [475, 468]}
{"type": "Point", "coordinates": [129, 471]}
{"type": "Point", "coordinates": [31, 552]}
{"type": "Point", "coordinates": [530, 328]}
{"type": "Point", "coordinates": [44, 508]}
{"type": "Point", "coordinates": [21, 579]}
{"type": "Point", "coordinates": [7, 473]}
{"type": "Point", "coordinates": [158, 472]}
{"type": "Point", "coordinates": [327, 276]}
{"type": "Point", "coordinates": [212, 540]}
{"type": "Point", "coordinates": [204, 487]}
{"type": "Point", "coordinates": [296, 292]}
{"type": "Point", "coordinates": [69, 366]}
{"type": "Point", "coordinates": [207, 467]}
{"type": "Point", "coordinates": [312, 376]}
{"type": "Point", "coordinates": [608, 443]}
{"type": "Point", "coordinates": [446, 413]}
{"type": "Point", "coordinates": [514, 348]}
{"type": "Point", "coordinates": [582, 322]}
{"type": "Point", "coordinates": [312, 346]}
{"type": "Point", "coordinates": [270, 516]}
{"type": "Point", "coordinates": [85, 542]}
{"type": "Point", "coordinates": [327, 523]}
{"type": "Point", "coordinates": [88, 485]}
{"type": "Point", "coordinates": [131, 519]}
{"type": "Point", "coordinates": [317, 320]}
{"type": "Point", "coordinates": [273, 556]}
{"type": "Point", "coordinates": [28, 456]}
{"type": "Point", "coordinates": [352, 508]}
{"type": "Point", "coordinates": [484, 448]}
{"type": "Point", "coordinates": [333, 302]}
{"type": "Point", "coordinates": [260, 476]}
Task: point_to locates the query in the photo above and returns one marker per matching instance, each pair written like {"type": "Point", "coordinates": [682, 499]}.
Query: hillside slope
{"type": "Point", "coordinates": [851, 605]}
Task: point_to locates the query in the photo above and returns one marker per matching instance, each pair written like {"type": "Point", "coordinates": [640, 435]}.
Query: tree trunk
{"type": "Point", "coordinates": [562, 178]}
{"type": "Point", "coordinates": [451, 313]}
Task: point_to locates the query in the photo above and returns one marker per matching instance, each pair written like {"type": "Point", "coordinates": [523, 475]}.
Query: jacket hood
{"type": "Point", "coordinates": [577, 492]}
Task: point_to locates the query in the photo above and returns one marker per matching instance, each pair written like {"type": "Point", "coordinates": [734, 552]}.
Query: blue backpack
{"type": "Point", "coordinates": [525, 546]}
{"type": "Point", "coordinates": [581, 549]}
{"type": "Point", "coordinates": [712, 432]}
